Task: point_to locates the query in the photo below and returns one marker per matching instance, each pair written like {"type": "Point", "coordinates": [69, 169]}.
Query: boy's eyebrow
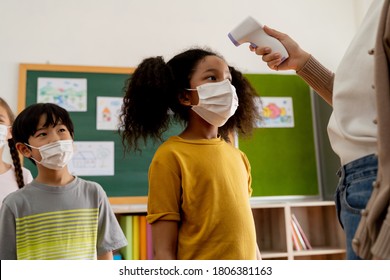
{"type": "Point", "coordinates": [40, 128]}
{"type": "Point", "coordinates": [45, 127]}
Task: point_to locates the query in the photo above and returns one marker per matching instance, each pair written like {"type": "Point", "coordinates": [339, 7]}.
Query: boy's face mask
{"type": "Point", "coordinates": [55, 155]}
{"type": "Point", "coordinates": [217, 102]}
{"type": "Point", "coordinates": [4, 129]}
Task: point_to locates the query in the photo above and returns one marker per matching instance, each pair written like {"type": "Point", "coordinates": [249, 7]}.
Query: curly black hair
{"type": "Point", "coordinates": [247, 114]}
{"type": "Point", "coordinates": [154, 89]}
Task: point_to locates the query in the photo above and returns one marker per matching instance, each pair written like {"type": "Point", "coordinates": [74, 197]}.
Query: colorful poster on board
{"type": "Point", "coordinates": [93, 158]}
{"type": "Point", "coordinates": [107, 112]}
{"type": "Point", "coordinates": [277, 112]}
{"type": "Point", "coordinates": [69, 93]}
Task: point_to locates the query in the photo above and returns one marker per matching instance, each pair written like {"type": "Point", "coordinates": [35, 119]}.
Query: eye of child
{"type": "Point", "coordinates": [212, 78]}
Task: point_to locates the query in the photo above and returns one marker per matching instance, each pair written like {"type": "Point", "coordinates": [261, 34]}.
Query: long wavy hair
{"type": "Point", "coordinates": [154, 90]}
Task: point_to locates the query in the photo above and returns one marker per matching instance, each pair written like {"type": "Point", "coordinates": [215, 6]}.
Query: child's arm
{"type": "Point", "coordinates": [105, 256]}
{"type": "Point", "coordinates": [258, 255]}
{"type": "Point", "coordinates": [165, 235]}
{"type": "Point", "coordinates": [7, 234]}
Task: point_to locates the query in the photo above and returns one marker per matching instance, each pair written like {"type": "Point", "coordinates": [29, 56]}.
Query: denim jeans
{"type": "Point", "coordinates": [352, 194]}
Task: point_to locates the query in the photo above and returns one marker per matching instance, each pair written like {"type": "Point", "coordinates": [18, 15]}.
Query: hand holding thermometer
{"type": "Point", "coordinates": [251, 31]}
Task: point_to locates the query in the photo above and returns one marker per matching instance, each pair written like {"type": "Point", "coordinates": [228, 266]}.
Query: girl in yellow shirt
{"type": "Point", "coordinates": [199, 184]}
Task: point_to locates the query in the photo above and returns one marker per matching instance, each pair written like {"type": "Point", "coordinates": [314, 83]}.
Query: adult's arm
{"type": "Point", "coordinates": [306, 66]}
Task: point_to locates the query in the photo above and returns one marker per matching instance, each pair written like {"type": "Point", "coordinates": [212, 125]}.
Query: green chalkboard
{"type": "Point", "coordinates": [130, 172]}
{"type": "Point", "coordinates": [283, 160]}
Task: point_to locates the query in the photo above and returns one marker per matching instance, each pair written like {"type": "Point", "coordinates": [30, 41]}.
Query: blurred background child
{"type": "Point", "coordinates": [12, 176]}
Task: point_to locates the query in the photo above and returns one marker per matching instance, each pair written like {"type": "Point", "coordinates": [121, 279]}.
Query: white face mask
{"type": "Point", "coordinates": [3, 135]}
{"type": "Point", "coordinates": [55, 155]}
{"type": "Point", "coordinates": [217, 102]}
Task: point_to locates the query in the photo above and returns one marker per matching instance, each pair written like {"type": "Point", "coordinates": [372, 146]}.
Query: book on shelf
{"type": "Point", "coordinates": [297, 245]}
{"type": "Point", "coordinates": [142, 238]}
{"type": "Point", "coordinates": [136, 240]}
{"type": "Point", "coordinates": [301, 233]}
{"type": "Point", "coordinates": [126, 223]}
{"type": "Point", "coordinates": [139, 237]}
{"type": "Point", "coordinates": [298, 237]}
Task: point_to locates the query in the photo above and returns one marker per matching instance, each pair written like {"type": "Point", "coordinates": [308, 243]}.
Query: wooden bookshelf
{"type": "Point", "coordinates": [318, 220]}
{"type": "Point", "coordinates": [273, 226]}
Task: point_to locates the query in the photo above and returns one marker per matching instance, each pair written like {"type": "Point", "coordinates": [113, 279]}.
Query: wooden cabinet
{"type": "Point", "coordinates": [318, 220]}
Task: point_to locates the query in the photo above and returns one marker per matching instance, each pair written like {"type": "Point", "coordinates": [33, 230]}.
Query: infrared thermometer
{"type": "Point", "coordinates": [251, 31]}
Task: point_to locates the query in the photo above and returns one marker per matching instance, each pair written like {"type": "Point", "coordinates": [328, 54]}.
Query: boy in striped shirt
{"type": "Point", "coordinates": [58, 215]}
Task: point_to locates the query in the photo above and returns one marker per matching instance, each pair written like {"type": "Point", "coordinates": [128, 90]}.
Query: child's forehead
{"type": "Point", "coordinates": [213, 61]}
{"type": "Point", "coordinates": [3, 115]}
{"type": "Point", "coordinates": [45, 122]}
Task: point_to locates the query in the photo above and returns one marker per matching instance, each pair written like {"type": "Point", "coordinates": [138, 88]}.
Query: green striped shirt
{"type": "Point", "coordinates": [75, 221]}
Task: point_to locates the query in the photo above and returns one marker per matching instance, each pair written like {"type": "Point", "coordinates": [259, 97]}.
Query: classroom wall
{"type": "Point", "coordinates": [123, 32]}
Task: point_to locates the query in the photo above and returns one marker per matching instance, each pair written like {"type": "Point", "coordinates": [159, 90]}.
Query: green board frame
{"type": "Point", "coordinates": [283, 160]}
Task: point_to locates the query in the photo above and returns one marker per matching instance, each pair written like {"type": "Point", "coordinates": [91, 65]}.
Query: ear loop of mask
{"type": "Point", "coordinates": [32, 148]}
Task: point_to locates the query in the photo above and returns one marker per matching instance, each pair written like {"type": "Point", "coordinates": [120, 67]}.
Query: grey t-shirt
{"type": "Point", "coordinates": [44, 222]}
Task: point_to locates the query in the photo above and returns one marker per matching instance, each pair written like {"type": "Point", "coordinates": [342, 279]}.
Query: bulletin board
{"type": "Point", "coordinates": [283, 159]}
{"type": "Point", "coordinates": [130, 172]}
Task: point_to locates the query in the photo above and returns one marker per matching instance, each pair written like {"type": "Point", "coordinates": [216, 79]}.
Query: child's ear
{"type": "Point", "coordinates": [185, 98]}
{"type": "Point", "coordinates": [23, 149]}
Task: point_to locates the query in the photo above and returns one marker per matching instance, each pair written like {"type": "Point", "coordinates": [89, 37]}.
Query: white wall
{"type": "Point", "coordinates": [123, 32]}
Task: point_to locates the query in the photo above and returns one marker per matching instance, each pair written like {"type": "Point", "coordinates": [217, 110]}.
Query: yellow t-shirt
{"type": "Point", "coordinates": [205, 186]}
